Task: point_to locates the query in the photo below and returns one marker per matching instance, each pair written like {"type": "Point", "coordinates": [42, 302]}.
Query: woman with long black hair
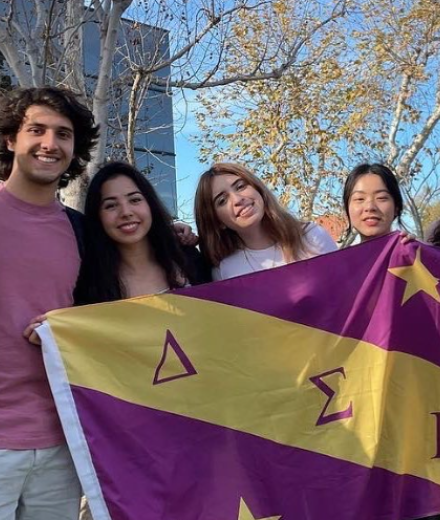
{"type": "Point", "coordinates": [131, 246]}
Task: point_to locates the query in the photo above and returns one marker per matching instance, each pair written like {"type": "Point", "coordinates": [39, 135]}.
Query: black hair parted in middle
{"type": "Point", "coordinates": [99, 279]}
{"type": "Point", "coordinates": [388, 178]}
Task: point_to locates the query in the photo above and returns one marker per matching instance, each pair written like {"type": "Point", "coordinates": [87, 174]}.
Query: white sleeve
{"type": "Point", "coordinates": [319, 239]}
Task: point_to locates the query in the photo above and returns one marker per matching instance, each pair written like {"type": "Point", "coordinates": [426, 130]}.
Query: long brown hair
{"type": "Point", "coordinates": [218, 242]}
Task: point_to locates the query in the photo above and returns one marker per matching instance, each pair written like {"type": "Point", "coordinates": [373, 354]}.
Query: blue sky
{"type": "Point", "coordinates": [188, 168]}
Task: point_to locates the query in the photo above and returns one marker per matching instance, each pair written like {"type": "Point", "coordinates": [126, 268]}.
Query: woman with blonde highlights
{"type": "Point", "coordinates": [243, 228]}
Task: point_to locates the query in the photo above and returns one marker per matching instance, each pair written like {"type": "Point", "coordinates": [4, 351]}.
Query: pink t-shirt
{"type": "Point", "coordinates": [39, 263]}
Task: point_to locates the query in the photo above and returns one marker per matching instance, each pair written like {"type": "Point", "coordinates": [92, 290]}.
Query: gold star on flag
{"type": "Point", "coordinates": [417, 278]}
{"type": "Point", "coordinates": [245, 514]}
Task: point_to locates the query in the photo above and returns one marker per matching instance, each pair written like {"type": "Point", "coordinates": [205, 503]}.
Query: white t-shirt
{"type": "Point", "coordinates": [247, 260]}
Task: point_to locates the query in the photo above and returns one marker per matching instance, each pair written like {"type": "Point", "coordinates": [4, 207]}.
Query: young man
{"type": "Point", "coordinates": [45, 133]}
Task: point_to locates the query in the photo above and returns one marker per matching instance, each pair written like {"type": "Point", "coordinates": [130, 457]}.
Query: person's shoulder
{"type": "Point", "coordinates": [311, 229]}
{"type": "Point", "coordinates": [230, 266]}
{"type": "Point", "coordinates": [199, 269]}
{"type": "Point", "coordinates": [319, 238]}
{"type": "Point", "coordinates": [77, 221]}
{"type": "Point", "coordinates": [73, 212]}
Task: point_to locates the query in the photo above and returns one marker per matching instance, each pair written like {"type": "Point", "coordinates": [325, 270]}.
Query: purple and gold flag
{"type": "Point", "coordinates": [305, 392]}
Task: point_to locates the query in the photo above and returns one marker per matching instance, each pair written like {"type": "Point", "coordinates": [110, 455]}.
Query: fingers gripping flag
{"type": "Point", "coordinates": [304, 392]}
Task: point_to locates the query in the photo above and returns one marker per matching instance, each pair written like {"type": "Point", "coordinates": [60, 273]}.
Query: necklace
{"type": "Point", "coordinates": [255, 262]}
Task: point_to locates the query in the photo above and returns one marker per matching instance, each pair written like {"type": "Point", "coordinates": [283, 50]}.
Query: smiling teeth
{"type": "Point", "coordinates": [47, 159]}
{"type": "Point", "coordinates": [128, 226]}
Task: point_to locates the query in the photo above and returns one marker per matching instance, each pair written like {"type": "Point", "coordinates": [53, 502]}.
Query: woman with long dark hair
{"type": "Point", "coordinates": [131, 247]}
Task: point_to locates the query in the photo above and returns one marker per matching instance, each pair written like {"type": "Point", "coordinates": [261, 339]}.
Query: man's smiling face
{"type": "Point", "coordinates": [43, 147]}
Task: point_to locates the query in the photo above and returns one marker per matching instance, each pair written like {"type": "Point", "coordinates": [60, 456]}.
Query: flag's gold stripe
{"type": "Point", "coordinates": [253, 376]}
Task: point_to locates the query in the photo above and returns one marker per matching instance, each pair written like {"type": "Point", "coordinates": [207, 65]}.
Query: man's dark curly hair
{"type": "Point", "coordinates": [13, 107]}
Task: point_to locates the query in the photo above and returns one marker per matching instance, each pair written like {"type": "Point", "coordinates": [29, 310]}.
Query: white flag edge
{"type": "Point", "coordinates": [71, 424]}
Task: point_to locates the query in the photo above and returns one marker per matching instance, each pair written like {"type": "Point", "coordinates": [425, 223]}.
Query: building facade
{"type": "Point", "coordinates": [138, 45]}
